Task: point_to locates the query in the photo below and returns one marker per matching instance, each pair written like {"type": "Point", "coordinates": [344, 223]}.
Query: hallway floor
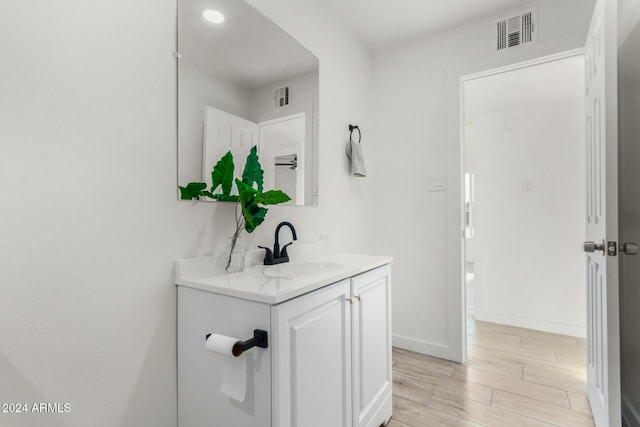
{"type": "Point", "coordinates": [513, 377]}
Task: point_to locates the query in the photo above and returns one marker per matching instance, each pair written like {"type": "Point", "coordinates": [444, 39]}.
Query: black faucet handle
{"type": "Point", "coordinates": [276, 249]}
{"type": "Point", "coordinates": [268, 256]}
{"type": "Point", "coordinates": [283, 251]}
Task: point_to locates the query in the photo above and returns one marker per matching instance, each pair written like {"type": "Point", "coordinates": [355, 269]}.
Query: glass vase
{"type": "Point", "coordinates": [235, 255]}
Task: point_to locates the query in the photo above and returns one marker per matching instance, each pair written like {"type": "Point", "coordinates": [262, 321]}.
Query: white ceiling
{"type": "Point", "coordinates": [381, 24]}
{"type": "Point", "coordinates": [251, 51]}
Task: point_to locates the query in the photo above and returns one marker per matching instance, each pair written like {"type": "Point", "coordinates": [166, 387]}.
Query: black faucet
{"type": "Point", "coordinates": [278, 256]}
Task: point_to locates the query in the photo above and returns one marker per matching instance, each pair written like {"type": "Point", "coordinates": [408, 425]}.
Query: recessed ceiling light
{"type": "Point", "coordinates": [213, 16]}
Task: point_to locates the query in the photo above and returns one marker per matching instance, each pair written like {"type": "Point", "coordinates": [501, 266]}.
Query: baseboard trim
{"type": "Point", "coordinates": [539, 325]}
{"type": "Point", "coordinates": [424, 347]}
{"type": "Point", "coordinates": [629, 414]}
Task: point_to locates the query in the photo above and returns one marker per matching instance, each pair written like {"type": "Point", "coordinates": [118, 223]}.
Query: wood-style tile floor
{"type": "Point", "coordinates": [513, 377]}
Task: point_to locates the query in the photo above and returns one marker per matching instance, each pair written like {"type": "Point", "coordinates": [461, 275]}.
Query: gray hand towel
{"type": "Point", "coordinates": [356, 160]}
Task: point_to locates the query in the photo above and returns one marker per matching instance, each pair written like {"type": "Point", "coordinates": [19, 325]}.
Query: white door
{"type": "Point", "coordinates": [372, 376]}
{"type": "Point", "coordinates": [603, 335]}
{"type": "Point", "coordinates": [226, 132]}
{"type": "Point", "coordinates": [285, 137]}
{"type": "Point", "coordinates": [312, 359]}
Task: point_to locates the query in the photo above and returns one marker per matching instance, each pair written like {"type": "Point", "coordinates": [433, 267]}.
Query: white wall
{"type": "Point", "coordinates": [529, 270]}
{"type": "Point", "coordinates": [345, 96]}
{"type": "Point", "coordinates": [89, 220]}
{"type": "Point", "coordinates": [303, 93]}
{"type": "Point", "coordinates": [416, 116]}
{"type": "Point", "coordinates": [629, 102]}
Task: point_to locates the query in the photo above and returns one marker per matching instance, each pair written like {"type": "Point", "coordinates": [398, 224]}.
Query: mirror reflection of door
{"type": "Point", "coordinates": [281, 149]}
{"type": "Point", "coordinates": [226, 132]}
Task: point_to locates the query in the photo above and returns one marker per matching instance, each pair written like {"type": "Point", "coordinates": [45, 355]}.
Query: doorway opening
{"type": "Point", "coordinates": [523, 166]}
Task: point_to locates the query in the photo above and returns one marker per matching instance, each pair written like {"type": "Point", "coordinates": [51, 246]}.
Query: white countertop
{"type": "Point", "coordinates": [256, 284]}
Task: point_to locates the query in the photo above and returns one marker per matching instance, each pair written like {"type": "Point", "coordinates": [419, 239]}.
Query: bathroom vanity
{"type": "Point", "coordinates": [328, 359]}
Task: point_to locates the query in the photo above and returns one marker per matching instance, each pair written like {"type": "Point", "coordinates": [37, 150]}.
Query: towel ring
{"type": "Point", "coordinates": [351, 129]}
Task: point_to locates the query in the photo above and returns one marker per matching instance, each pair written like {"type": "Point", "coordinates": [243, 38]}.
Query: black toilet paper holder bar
{"type": "Point", "coordinates": [259, 340]}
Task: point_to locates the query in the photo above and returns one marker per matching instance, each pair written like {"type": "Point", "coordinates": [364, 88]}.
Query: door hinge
{"type": "Point", "coordinates": [612, 248]}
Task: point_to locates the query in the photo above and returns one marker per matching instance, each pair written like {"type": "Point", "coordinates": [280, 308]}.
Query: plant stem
{"type": "Point", "coordinates": [240, 223]}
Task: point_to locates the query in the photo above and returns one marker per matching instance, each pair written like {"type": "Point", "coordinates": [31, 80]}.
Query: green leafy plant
{"type": "Point", "coordinates": [251, 195]}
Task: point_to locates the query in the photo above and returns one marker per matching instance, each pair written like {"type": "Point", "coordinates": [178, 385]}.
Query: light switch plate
{"type": "Point", "coordinates": [437, 182]}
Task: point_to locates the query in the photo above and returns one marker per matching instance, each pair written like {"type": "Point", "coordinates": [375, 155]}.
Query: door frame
{"type": "Point", "coordinates": [464, 79]}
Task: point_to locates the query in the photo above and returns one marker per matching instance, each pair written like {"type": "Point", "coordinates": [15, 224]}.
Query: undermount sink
{"type": "Point", "coordinates": [303, 269]}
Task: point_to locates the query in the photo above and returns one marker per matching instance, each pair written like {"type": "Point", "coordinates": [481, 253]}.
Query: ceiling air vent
{"type": "Point", "coordinates": [282, 96]}
{"type": "Point", "coordinates": [515, 30]}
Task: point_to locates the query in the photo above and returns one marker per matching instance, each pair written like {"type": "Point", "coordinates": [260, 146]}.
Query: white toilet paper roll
{"type": "Point", "coordinates": [234, 369]}
{"type": "Point", "coordinates": [221, 344]}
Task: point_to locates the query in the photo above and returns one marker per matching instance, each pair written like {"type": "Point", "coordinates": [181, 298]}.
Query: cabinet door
{"type": "Point", "coordinates": [312, 359]}
{"type": "Point", "coordinates": [372, 377]}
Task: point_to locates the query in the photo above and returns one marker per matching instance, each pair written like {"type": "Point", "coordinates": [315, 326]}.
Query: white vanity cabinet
{"type": "Point", "coordinates": [328, 362]}
{"type": "Point", "coordinates": [312, 359]}
{"type": "Point", "coordinates": [332, 355]}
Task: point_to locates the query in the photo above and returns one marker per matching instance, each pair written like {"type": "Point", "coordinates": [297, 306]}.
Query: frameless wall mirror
{"type": "Point", "coordinates": [243, 81]}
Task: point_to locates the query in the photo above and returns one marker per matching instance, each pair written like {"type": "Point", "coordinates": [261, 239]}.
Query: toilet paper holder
{"type": "Point", "coordinates": [259, 340]}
